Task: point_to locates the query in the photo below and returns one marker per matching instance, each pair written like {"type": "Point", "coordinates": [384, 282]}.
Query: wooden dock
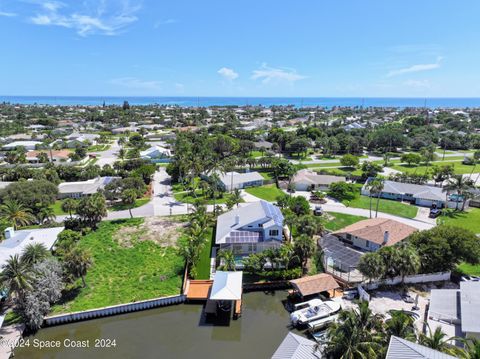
{"type": "Point", "coordinates": [198, 289]}
{"type": "Point", "coordinates": [238, 309]}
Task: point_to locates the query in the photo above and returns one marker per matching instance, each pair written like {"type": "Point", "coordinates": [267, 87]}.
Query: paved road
{"type": "Point", "coordinates": [109, 156]}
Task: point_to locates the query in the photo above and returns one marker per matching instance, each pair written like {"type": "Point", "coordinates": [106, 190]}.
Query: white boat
{"type": "Point", "coordinates": [322, 323]}
{"type": "Point", "coordinates": [313, 310]}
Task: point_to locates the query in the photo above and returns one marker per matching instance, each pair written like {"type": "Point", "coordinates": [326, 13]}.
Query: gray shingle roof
{"type": "Point", "coordinates": [418, 191]}
{"type": "Point", "coordinates": [296, 347]}
{"type": "Point", "coordinates": [403, 349]}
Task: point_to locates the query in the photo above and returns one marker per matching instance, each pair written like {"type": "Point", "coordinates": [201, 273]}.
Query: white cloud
{"type": "Point", "coordinates": [104, 17]}
{"type": "Point", "coordinates": [136, 83]}
{"type": "Point", "coordinates": [416, 68]}
{"type": "Point", "coordinates": [227, 74]}
{"type": "Point", "coordinates": [269, 74]}
{"type": "Point", "coordinates": [164, 22]}
{"type": "Point", "coordinates": [7, 14]}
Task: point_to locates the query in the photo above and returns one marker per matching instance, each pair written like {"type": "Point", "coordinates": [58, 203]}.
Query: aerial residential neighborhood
{"type": "Point", "coordinates": [254, 179]}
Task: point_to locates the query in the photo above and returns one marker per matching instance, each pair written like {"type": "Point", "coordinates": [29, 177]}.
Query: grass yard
{"type": "Point", "coordinates": [138, 203]}
{"type": "Point", "coordinates": [57, 208]}
{"type": "Point", "coordinates": [122, 274]}
{"type": "Point", "coordinates": [268, 192]}
{"type": "Point", "coordinates": [458, 166]}
{"type": "Point", "coordinates": [185, 197]}
{"type": "Point", "coordinates": [469, 269]}
{"type": "Point", "coordinates": [266, 174]}
{"type": "Point", "coordinates": [98, 148]}
{"type": "Point", "coordinates": [256, 154]}
{"type": "Point", "coordinates": [469, 219]}
{"type": "Point", "coordinates": [386, 206]}
{"type": "Point", "coordinates": [341, 220]}
{"type": "Point", "coordinates": [203, 265]}
{"type": "Point", "coordinates": [339, 171]}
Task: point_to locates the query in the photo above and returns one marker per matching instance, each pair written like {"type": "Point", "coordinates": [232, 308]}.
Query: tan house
{"type": "Point", "coordinates": [372, 234]}
{"type": "Point", "coordinates": [53, 156]}
{"type": "Point", "coordinates": [306, 180]}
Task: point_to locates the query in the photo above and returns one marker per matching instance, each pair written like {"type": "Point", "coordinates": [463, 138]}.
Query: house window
{"type": "Point", "coordinates": [367, 244]}
{"type": "Point", "coordinates": [237, 248]}
{"type": "Point", "coordinates": [273, 232]}
{"type": "Point", "coordinates": [349, 236]}
{"type": "Point", "coordinates": [260, 224]}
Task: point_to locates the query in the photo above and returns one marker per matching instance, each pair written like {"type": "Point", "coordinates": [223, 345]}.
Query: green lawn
{"type": "Point", "coordinates": [57, 208]}
{"type": "Point", "coordinates": [256, 154]}
{"type": "Point", "coordinates": [268, 192]}
{"type": "Point", "coordinates": [469, 269]}
{"type": "Point", "coordinates": [459, 167]}
{"type": "Point", "coordinates": [386, 206]}
{"type": "Point", "coordinates": [138, 203]}
{"type": "Point", "coordinates": [203, 264]}
{"type": "Point", "coordinates": [185, 197]}
{"type": "Point", "coordinates": [124, 274]}
{"type": "Point", "coordinates": [341, 220]}
{"type": "Point", "coordinates": [339, 171]}
{"type": "Point", "coordinates": [266, 174]}
{"type": "Point", "coordinates": [469, 219]}
{"type": "Point", "coordinates": [98, 148]}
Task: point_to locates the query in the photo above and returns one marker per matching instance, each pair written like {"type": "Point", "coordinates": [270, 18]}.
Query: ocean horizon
{"type": "Point", "coordinates": [205, 101]}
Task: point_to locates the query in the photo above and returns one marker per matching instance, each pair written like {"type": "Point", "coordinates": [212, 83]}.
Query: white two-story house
{"type": "Point", "coordinates": [250, 229]}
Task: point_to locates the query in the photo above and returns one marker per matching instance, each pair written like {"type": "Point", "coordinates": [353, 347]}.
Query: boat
{"type": "Point", "coordinates": [322, 323]}
{"type": "Point", "coordinates": [313, 310]}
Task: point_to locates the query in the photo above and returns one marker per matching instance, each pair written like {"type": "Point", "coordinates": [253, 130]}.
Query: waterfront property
{"type": "Point", "coordinates": [16, 240]}
{"type": "Point", "coordinates": [82, 188]}
{"type": "Point", "coordinates": [421, 195]}
{"type": "Point", "coordinates": [372, 234]}
{"type": "Point", "coordinates": [250, 229]}
{"type": "Point", "coordinates": [308, 180]}
{"type": "Point", "coordinates": [456, 310]}
{"type": "Point", "coordinates": [315, 284]}
{"type": "Point", "coordinates": [295, 346]}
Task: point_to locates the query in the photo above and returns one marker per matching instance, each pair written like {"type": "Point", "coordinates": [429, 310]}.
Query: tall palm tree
{"type": "Point", "coordinates": [34, 253]}
{"type": "Point", "coordinates": [69, 205]}
{"type": "Point", "coordinates": [129, 197]}
{"type": "Point", "coordinates": [407, 261]}
{"type": "Point", "coordinates": [228, 260]}
{"type": "Point", "coordinates": [356, 335]}
{"type": "Point", "coordinates": [16, 214]}
{"type": "Point", "coordinates": [377, 188]}
{"type": "Point", "coordinates": [46, 215]}
{"type": "Point", "coordinates": [77, 262]}
{"type": "Point", "coordinates": [16, 276]}
{"type": "Point", "coordinates": [237, 196]}
{"type": "Point", "coordinates": [401, 325]}
{"type": "Point", "coordinates": [476, 160]}
{"type": "Point", "coordinates": [305, 248]}
{"type": "Point", "coordinates": [436, 339]}
{"type": "Point", "coordinates": [461, 185]}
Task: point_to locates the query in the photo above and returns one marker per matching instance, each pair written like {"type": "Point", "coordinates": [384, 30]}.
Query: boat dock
{"type": "Point", "coordinates": [198, 289]}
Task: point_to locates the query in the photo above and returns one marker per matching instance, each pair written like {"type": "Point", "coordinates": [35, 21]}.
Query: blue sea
{"type": "Point", "coordinates": [327, 102]}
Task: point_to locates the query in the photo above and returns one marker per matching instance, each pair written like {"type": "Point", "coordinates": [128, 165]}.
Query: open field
{"type": "Point", "coordinates": [469, 219]}
{"type": "Point", "coordinates": [135, 268]}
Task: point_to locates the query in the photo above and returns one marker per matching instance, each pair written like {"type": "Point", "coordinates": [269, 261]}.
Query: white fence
{"type": "Point", "coordinates": [411, 279]}
{"type": "Point", "coordinates": [113, 310]}
{"type": "Point", "coordinates": [362, 293]}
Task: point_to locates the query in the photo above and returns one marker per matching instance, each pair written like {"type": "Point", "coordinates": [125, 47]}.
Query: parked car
{"type": "Point", "coordinates": [318, 211]}
{"type": "Point", "coordinates": [435, 212]}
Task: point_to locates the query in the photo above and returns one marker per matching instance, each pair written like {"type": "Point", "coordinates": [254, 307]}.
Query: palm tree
{"type": "Point", "coordinates": [376, 187]}
{"type": "Point", "coordinates": [407, 261]}
{"type": "Point", "coordinates": [476, 160]}
{"type": "Point", "coordinates": [437, 340]}
{"type": "Point", "coordinates": [356, 335]}
{"type": "Point", "coordinates": [16, 214]}
{"type": "Point", "coordinates": [34, 253]}
{"type": "Point", "coordinates": [286, 254]}
{"type": "Point", "coordinates": [371, 265]}
{"type": "Point", "coordinates": [304, 247]}
{"type": "Point", "coordinates": [77, 262]}
{"type": "Point", "coordinates": [16, 276]}
{"type": "Point", "coordinates": [401, 325]}
{"type": "Point", "coordinates": [189, 251]}
{"type": "Point", "coordinates": [46, 215]}
{"type": "Point", "coordinates": [236, 196]}
{"type": "Point", "coordinates": [69, 205]}
{"type": "Point", "coordinates": [471, 349]}
{"type": "Point", "coordinates": [461, 185]}
{"type": "Point", "coordinates": [129, 197]}
{"type": "Point", "coordinates": [228, 260]}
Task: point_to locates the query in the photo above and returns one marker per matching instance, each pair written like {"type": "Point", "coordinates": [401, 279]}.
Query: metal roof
{"type": "Point", "coordinates": [444, 304]}
{"type": "Point", "coordinates": [227, 286]}
{"type": "Point", "coordinates": [470, 304]}
{"type": "Point", "coordinates": [226, 178]}
{"type": "Point", "coordinates": [403, 349]}
{"type": "Point", "coordinates": [294, 346]}
{"type": "Point", "coordinates": [418, 191]}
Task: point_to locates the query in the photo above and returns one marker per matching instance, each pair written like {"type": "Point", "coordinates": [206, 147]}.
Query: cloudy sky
{"type": "Point", "coordinates": [248, 48]}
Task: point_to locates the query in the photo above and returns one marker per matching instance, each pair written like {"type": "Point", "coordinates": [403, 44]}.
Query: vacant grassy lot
{"type": "Point", "coordinates": [185, 197]}
{"type": "Point", "coordinates": [469, 219]}
{"type": "Point", "coordinates": [341, 220]}
{"type": "Point", "coordinates": [268, 192]}
{"type": "Point", "coordinates": [121, 273]}
{"type": "Point", "coordinates": [385, 206]}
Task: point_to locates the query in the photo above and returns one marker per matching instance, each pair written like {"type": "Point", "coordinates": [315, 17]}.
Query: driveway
{"type": "Point", "coordinates": [109, 156]}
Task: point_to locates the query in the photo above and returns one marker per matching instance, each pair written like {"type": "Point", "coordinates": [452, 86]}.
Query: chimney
{"type": "Point", "coordinates": [9, 232]}
{"type": "Point", "coordinates": [237, 219]}
{"type": "Point", "coordinates": [386, 237]}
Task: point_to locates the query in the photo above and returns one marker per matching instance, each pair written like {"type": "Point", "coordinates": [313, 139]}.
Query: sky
{"type": "Point", "coordinates": [248, 48]}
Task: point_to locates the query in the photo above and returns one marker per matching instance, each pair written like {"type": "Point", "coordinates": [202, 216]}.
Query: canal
{"type": "Point", "coordinates": [171, 332]}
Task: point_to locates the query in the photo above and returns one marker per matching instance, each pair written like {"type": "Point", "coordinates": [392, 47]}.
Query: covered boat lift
{"type": "Point", "coordinates": [315, 284]}
{"type": "Point", "coordinates": [226, 289]}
